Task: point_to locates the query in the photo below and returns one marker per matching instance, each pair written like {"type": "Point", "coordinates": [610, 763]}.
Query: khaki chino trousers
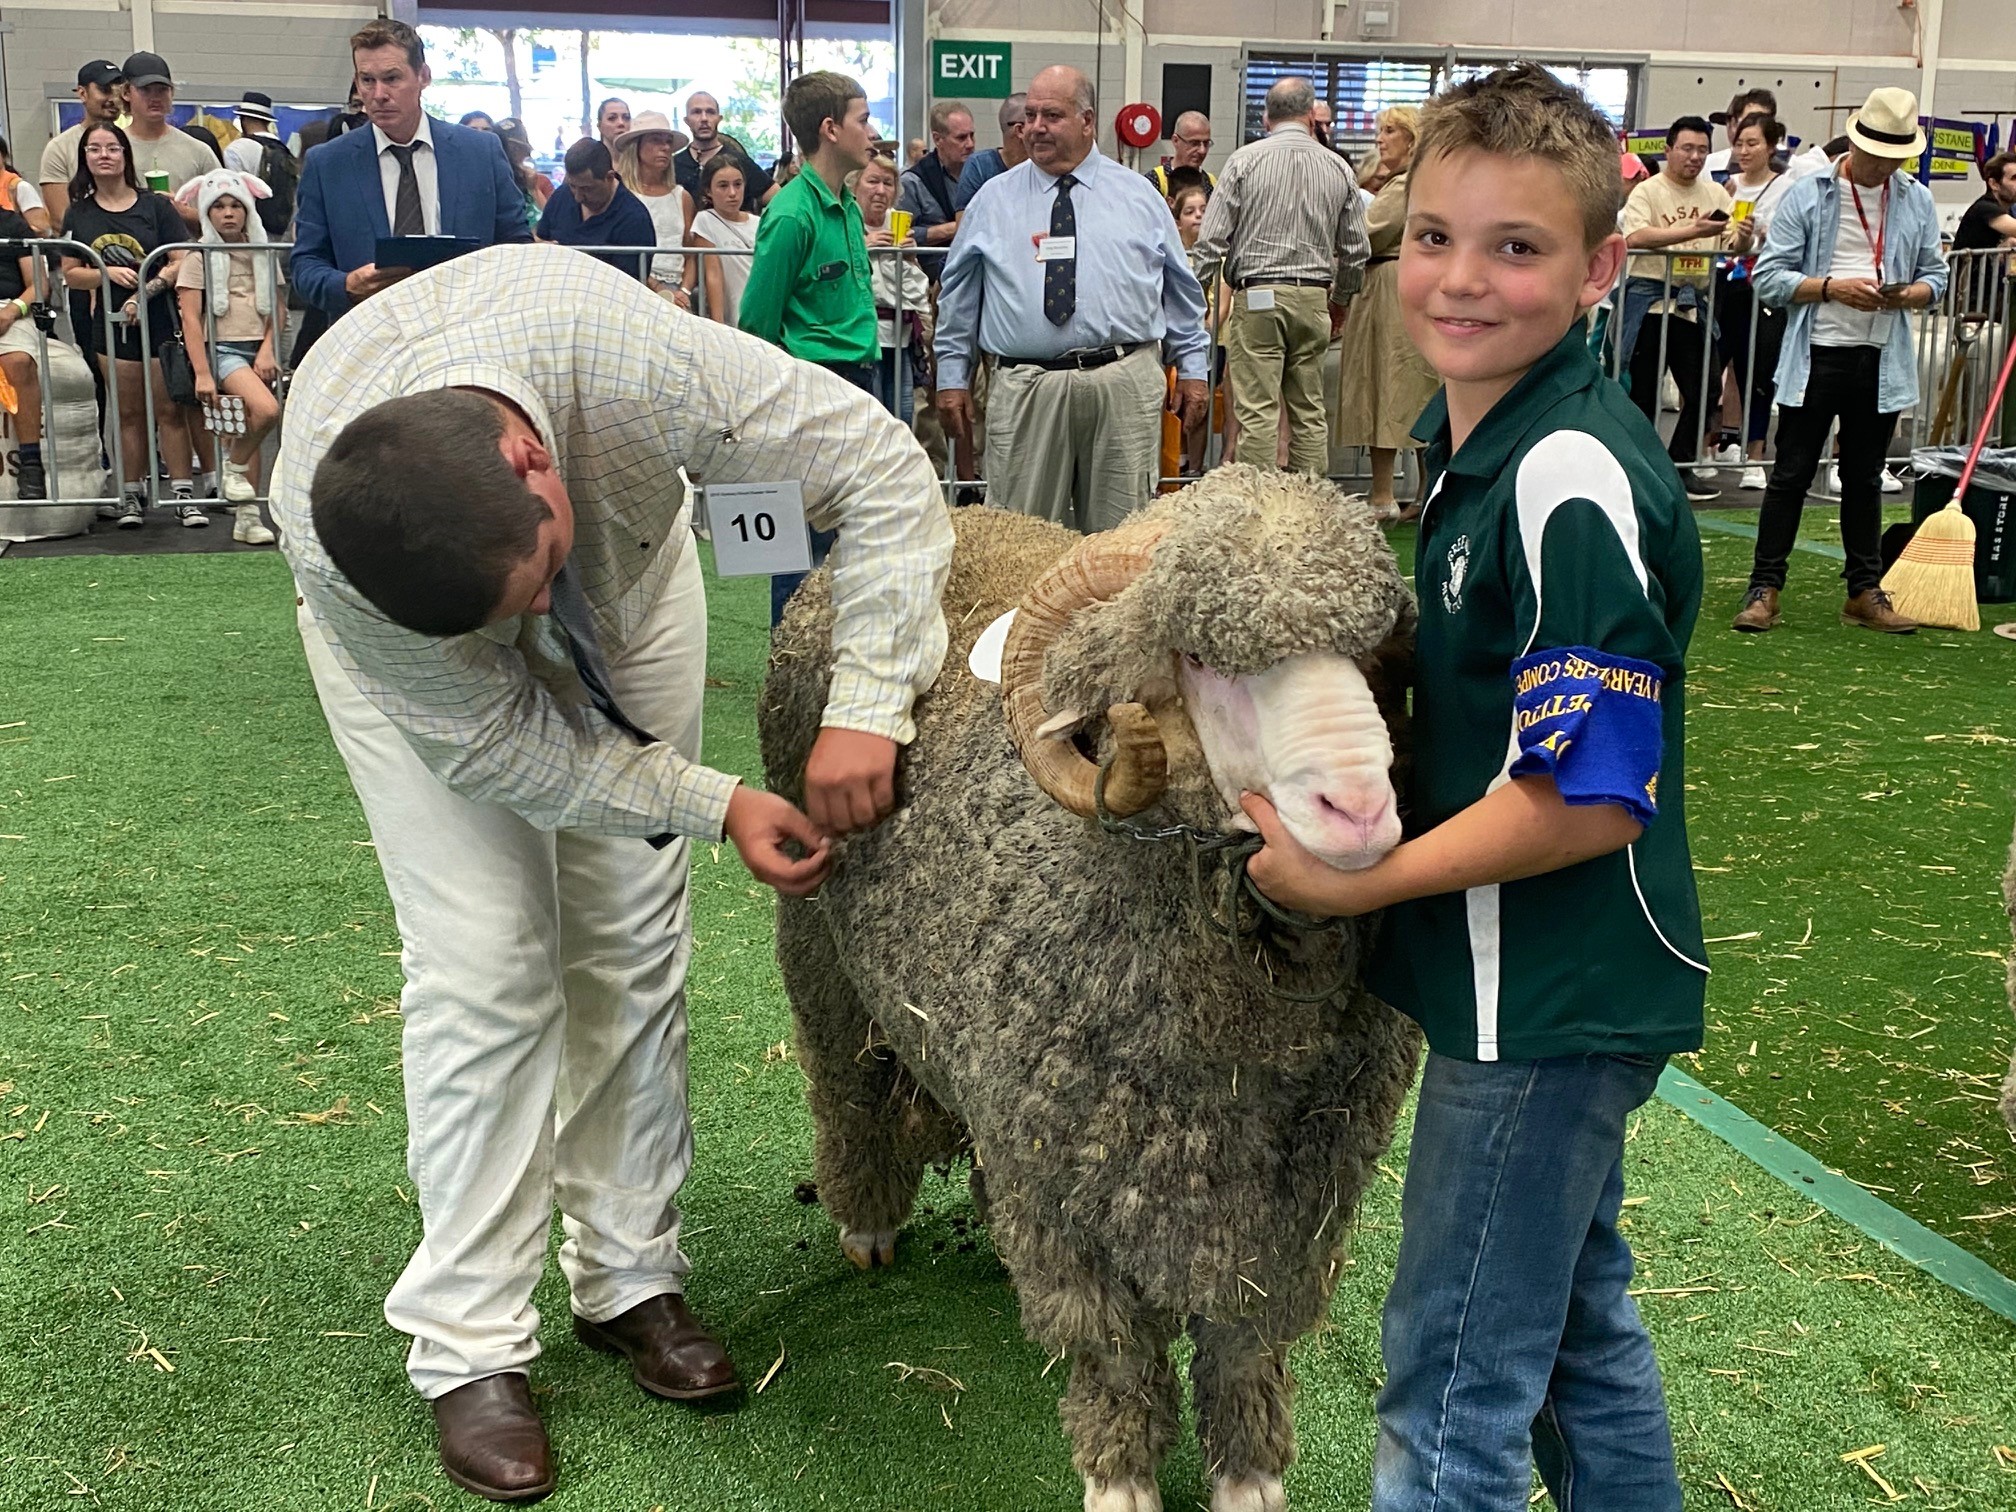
{"type": "Point", "coordinates": [1273, 357]}
{"type": "Point", "coordinates": [1078, 447]}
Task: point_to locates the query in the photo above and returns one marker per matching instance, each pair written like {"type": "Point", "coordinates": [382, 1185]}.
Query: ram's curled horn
{"type": "Point", "coordinates": [1094, 572]}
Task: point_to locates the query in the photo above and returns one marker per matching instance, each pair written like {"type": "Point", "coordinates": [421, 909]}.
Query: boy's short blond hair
{"type": "Point", "coordinates": [1525, 112]}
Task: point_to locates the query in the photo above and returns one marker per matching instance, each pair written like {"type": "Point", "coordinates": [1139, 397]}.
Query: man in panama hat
{"type": "Point", "coordinates": [1850, 253]}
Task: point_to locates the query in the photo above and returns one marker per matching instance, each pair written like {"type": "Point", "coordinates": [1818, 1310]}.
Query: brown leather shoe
{"type": "Point", "coordinates": [1871, 610]}
{"type": "Point", "coordinates": [1759, 612]}
{"type": "Point", "coordinates": [492, 1441]}
{"type": "Point", "coordinates": [671, 1353]}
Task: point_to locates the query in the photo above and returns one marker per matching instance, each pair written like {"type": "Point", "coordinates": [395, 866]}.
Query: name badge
{"type": "Point", "coordinates": [1259, 299]}
{"type": "Point", "coordinates": [1690, 267]}
{"type": "Point", "coordinates": [758, 528]}
{"type": "Point", "coordinates": [1056, 248]}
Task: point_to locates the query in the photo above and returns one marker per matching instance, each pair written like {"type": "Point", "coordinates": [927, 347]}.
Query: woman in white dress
{"type": "Point", "coordinates": [644, 162]}
{"type": "Point", "coordinates": [722, 222]}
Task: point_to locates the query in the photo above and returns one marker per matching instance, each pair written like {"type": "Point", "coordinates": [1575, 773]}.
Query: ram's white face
{"type": "Point", "coordinates": [1307, 735]}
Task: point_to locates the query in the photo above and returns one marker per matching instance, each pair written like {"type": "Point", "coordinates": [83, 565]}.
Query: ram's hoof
{"type": "Point", "coordinates": [869, 1248]}
{"type": "Point", "coordinates": [1122, 1496]}
{"type": "Point", "coordinates": [1248, 1493]}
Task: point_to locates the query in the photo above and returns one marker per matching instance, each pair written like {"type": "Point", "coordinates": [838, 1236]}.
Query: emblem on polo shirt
{"type": "Point", "coordinates": [1459, 568]}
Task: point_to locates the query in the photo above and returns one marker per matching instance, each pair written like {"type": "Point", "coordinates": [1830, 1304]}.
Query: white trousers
{"type": "Point", "coordinates": [545, 1024]}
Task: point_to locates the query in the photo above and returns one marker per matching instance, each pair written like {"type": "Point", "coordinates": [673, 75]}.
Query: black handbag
{"type": "Point", "coordinates": [177, 371]}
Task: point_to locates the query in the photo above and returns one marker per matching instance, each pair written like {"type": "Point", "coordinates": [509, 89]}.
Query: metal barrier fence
{"type": "Point", "coordinates": [47, 312]}
{"type": "Point", "coordinates": [1958, 343]}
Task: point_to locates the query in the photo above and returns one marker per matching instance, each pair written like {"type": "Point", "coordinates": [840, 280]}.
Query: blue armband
{"type": "Point", "coordinates": [1593, 723]}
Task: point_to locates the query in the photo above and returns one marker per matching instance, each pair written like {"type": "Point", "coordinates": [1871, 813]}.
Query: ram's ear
{"type": "Point", "coordinates": [1106, 655]}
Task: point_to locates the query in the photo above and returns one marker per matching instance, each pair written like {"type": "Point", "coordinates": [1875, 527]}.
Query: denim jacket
{"type": "Point", "coordinates": [1801, 245]}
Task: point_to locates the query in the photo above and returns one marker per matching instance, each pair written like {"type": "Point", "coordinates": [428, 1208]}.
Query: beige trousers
{"type": "Point", "coordinates": [1275, 357]}
{"type": "Point", "coordinates": [1080, 448]}
{"type": "Point", "coordinates": [545, 1024]}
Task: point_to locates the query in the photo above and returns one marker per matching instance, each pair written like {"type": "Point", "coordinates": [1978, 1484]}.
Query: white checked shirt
{"type": "Point", "coordinates": [625, 389]}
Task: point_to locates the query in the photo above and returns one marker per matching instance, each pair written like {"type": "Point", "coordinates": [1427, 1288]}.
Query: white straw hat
{"type": "Point", "coordinates": [646, 124]}
{"type": "Point", "coordinates": [1887, 125]}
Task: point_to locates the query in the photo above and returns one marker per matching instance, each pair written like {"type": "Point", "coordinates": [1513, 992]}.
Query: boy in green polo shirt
{"type": "Point", "coordinates": [1541, 924]}
{"type": "Point", "coordinates": [809, 290]}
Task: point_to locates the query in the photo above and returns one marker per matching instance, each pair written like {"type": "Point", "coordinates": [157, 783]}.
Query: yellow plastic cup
{"type": "Point", "coordinates": [1740, 211]}
{"type": "Point", "coordinates": [899, 226]}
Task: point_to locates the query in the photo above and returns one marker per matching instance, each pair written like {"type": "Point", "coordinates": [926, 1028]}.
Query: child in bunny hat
{"type": "Point", "coordinates": [243, 294]}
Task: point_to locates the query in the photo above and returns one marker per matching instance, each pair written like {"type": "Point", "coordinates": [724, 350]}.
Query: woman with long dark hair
{"type": "Point", "coordinates": [122, 222]}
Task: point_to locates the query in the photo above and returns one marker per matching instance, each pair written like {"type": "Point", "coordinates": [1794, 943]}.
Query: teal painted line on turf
{"type": "Point", "coordinates": [1906, 1237]}
{"type": "Point", "coordinates": [1730, 527]}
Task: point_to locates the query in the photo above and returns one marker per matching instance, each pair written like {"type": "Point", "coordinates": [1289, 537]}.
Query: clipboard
{"type": "Point", "coordinates": [422, 252]}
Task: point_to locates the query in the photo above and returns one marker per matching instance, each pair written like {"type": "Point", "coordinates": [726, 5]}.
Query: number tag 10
{"type": "Point", "coordinates": [758, 529]}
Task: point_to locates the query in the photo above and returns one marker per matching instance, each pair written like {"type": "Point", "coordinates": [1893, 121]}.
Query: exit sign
{"type": "Point", "coordinates": [971, 70]}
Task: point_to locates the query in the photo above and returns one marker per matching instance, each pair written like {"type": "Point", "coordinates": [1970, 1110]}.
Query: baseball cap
{"type": "Point", "coordinates": [100, 71]}
{"type": "Point", "coordinates": [144, 68]}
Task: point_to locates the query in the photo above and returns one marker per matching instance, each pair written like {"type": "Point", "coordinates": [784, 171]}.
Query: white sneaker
{"type": "Point", "coordinates": [1704, 472]}
{"type": "Point", "coordinates": [1730, 455]}
{"type": "Point", "coordinates": [1834, 481]}
{"type": "Point", "coordinates": [1753, 477]}
{"type": "Point", "coordinates": [246, 526]}
{"type": "Point", "coordinates": [237, 487]}
{"type": "Point", "coordinates": [1890, 481]}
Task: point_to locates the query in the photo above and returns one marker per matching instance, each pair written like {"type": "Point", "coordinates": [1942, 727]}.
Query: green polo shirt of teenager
{"type": "Point", "coordinates": [808, 288]}
{"type": "Point", "coordinates": [1559, 524]}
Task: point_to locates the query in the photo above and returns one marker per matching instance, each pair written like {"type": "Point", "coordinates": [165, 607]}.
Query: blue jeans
{"type": "Point", "coordinates": [1510, 1337]}
{"type": "Point", "coordinates": [1640, 294]}
{"type": "Point", "coordinates": [783, 584]}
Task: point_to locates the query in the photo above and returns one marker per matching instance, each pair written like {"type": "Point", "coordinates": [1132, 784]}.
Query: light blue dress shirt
{"type": "Point", "coordinates": [1134, 280]}
{"type": "Point", "coordinates": [1800, 245]}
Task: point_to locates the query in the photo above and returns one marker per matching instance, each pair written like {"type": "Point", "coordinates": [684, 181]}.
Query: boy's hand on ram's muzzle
{"type": "Point", "coordinates": [762, 826]}
{"type": "Point", "coordinates": [1290, 874]}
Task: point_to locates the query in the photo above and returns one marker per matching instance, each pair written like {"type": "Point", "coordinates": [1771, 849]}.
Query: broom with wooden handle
{"type": "Point", "coordinates": [1932, 582]}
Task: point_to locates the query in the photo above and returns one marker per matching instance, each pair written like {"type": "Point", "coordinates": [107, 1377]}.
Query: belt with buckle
{"type": "Point", "coordinates": [1079, 361]}
{"type": "Point", "coordinates": [1282, 283]}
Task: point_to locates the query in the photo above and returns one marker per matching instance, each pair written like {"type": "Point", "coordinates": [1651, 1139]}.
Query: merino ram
{"type": "Point", "coordinates": [1166, 1143]}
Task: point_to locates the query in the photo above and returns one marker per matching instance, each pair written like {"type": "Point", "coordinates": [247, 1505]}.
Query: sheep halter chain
{"type": "Point", "coordinates": [1231, 903]}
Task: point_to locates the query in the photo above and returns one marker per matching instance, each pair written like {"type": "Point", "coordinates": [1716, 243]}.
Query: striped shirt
{"type": "Point", "coordinates": [625, 390]}
{"type": "Point", "coordinates": [1286, 207]}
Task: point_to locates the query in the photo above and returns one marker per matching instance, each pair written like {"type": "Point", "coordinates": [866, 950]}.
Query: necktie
{"type": "Point", "coordinates": [1060, 275]}
{"type": "Point", "coordinates": [408, 219]}
{"type": "Point", "coordinates": [577, 628]}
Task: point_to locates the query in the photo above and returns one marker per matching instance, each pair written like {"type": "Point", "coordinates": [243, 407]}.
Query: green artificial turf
{"type": "Point", "coordinates": [203, 1199]}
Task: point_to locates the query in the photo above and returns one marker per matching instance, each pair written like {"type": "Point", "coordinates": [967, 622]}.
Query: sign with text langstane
{"type": "Point", "coordinates": [971, 70]}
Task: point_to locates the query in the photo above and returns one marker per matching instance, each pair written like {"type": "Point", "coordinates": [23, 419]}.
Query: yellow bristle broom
{"type": "Point", "coordinates": [1932, 581]}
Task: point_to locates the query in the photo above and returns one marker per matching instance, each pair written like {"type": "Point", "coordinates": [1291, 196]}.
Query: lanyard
{"type": "Point", "coordinates": [1883, 214]}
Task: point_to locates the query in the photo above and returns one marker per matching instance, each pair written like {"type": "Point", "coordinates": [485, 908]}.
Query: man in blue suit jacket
{"type": "Point", "coordinates": [405, 175]}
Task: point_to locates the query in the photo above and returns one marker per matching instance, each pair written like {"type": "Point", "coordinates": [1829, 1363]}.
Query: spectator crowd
{"type": "Point", "coordinates": [1065, 333]}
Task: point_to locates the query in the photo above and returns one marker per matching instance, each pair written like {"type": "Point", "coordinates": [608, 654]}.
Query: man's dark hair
{"type": "Point", "coordinates": [417, 507]}
{"type": "Point", "coordinates": [386, 32]}
{"type": "Point", "coordinates": [1752, 102]}
{"type": "Point", "coordinates": [1187, 178]}
{"type": "Point", "coordinates": [814, 99]}
{"type": "Point", "coordinates": [1996, 166]}
{"type": "Point", "coordinates": [590, 155]}
{"type": "Point", "coordinates": [1688, 123]}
